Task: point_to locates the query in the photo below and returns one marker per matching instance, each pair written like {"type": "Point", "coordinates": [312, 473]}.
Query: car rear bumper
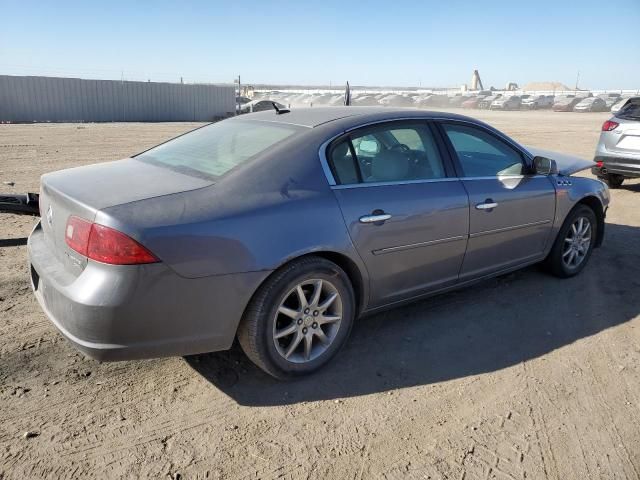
{"type": "Point", "coordinates": [128, 312]}
{"type": "Point", "coordinates": [627, 167]}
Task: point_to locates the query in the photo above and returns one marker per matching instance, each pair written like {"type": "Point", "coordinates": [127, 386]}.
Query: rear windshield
{"type": "Point", "coordinates": [630, 110]}
{"type": "Point", "coordinates": [213, 150]}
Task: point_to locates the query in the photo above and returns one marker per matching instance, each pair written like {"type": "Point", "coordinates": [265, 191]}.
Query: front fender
{"type": "Point", "coordinates": [570, 191]}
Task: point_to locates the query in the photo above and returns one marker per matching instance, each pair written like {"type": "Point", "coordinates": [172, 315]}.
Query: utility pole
{"type": "Point", "coordinates": [577, 79]}
{"type": "Point", "coordinates": [238, 96]}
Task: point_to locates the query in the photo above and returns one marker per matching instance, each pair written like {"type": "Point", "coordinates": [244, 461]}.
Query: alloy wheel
{"type": "Point", "coordinates": [307, 320]}
{"type": "Point", "coordinates": [577, 242]}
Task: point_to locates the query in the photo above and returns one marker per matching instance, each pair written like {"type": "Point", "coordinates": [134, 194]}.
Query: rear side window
{"type": "Point", "coordinates": [387, 153]}
{"type": "Point", "coordinates": [481, 154]}
{"type": "Point", "coordinates": [213, 150]}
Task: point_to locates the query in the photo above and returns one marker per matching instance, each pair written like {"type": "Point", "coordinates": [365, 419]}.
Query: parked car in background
{"type": "Point", "coordinates": [506, 103]}
{"type": "Point", "coordinates": [534, 102]}
{"type": "Point", "coordinates": [591, 104]}
{"type": "Point", "coordinates": [396, 101]}
{"type": "Point", "coordinates": [458, 100]}
{"type": "Point", "coordinates": [259, 106]}
{"type": "Point", "coordinates": [566, 104]}
{"type": "Point", "coordinates": [280, 228]}
{"type": "Point", "coordinates": [609, 99]}
{"type": "Point", "coordinates": [473, 101]}
{"type": "Point", "coordinates": [486, 102]}
{"type": "Point", "coordinates": [618, 152]}
{"type": "Point", "coordinates": [437, 100]}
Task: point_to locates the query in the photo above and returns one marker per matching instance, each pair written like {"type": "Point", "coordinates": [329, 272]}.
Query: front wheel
{"type": "Point", "coordinates": [574, 243]}
{"type": "Point", "coordinates": [299, 318]}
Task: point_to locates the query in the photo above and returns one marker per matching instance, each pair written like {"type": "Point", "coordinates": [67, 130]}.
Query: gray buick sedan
{"type": "Point", "coordinates": [281, 228]}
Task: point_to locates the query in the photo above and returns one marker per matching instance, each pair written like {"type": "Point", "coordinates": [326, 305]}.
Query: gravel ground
{"type": "Point", "coordinates": [524, 376]}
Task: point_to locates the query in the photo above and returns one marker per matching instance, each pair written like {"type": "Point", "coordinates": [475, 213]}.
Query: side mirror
{"type": "Point", "coordinates": [544, 166]}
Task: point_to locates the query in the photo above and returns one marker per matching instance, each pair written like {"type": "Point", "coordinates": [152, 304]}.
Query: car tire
{"type": "Point", "coordinates": [613, 180]}
{"type": "Point", "coordinates": [559, 261]}
{"type": "Point", "coordinates": [263, 321]}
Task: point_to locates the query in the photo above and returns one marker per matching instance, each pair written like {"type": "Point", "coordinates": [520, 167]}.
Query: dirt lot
{"type": "Point", "coordinates": [525, 376]}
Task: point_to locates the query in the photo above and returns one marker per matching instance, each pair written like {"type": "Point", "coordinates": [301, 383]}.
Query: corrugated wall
{"type": "Point", "coordinates": [50, 99]}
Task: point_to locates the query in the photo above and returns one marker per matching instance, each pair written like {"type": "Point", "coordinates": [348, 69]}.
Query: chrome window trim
{"type": "Point", "coordinates": [324, 162]}
{"type": "Point", "coordinates": [400, 182]}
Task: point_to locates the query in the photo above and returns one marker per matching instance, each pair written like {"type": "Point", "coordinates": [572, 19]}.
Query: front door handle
{"type": "Point", "coordinates": [487, 205]}
{"type": "Point", "coordinates": [375, 218]}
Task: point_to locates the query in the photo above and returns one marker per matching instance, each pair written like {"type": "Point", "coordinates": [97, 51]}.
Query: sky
{"type": "Point", "coordinates": [375, 43]}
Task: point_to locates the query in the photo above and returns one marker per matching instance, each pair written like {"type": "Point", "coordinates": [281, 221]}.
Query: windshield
{"type": "Point", "coordinates": [213, 150]}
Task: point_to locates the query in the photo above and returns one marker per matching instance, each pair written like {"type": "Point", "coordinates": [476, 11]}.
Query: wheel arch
{"type": "Point", "coordinates": [350, 267]}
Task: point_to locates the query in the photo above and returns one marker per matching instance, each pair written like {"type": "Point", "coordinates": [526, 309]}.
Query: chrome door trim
{"type": "Point", "coordinates": [382, 251]}
{"type": "Point", "coordinates": [507, 229]}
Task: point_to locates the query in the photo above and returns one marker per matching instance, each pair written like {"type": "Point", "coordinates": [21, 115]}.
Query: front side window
{"type": "Point", "coordinates": [481, 154]}
{"type": "Point", "coordinates": [387, 153]}
{"type": "Point", "coordinates": [213, 150]}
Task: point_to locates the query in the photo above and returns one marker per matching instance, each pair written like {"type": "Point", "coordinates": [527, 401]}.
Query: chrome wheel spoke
{"type": "Point", "coordinates": [328, 301]}
{"type": "Point", "coordinates": [321, 336]}
{"type": "Point", "coordinates": [308, 343]}
{"type": "Point", "coordinates": [294, 344]}
{"type": "Point", "coordinates": [284, 332]}
{"type": "Point", "coordinates": [317, 291]}
{"type": "Point", "coordinates": [289, 312]}
{"type": "Point", "coordinates": [586, 229]}
{"type": "Point", "coordinates": [302, 298]}
{"type": "Point", "coordinates": [324, 319]}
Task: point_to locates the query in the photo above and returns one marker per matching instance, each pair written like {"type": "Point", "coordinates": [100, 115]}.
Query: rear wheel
{"type": "Point", "coordinates": [299, 319]}
{"type": "Point", "coordinates": [574, 243]}
{"type": "Point", "coordinates": [613, 180]}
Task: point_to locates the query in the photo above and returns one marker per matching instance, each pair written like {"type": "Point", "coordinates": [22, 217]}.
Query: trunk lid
{"type": "Point", "coordinates": [83, 191]}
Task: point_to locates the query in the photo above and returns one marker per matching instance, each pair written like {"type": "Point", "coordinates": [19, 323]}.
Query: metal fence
{"type": "Point", "coordinates": [50, 99]}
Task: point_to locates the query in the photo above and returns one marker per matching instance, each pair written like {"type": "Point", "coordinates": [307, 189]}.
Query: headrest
{"type": "Point", "coordinates": [389, 165]}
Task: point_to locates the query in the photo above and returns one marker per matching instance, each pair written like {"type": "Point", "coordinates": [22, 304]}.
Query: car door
{"type": "Point", "coordinates": [406, 213]}
{"type": "Point", "coordinates": [511, 212]}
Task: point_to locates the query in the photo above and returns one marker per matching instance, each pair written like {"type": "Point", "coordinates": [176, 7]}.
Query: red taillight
{"type": "Point", "coordinates": [609, 125]}
{"type": "Point", "coordinates": [105, 244]}
{"type": "Point", "coordinates": [76, 234]}
{"type": "Point", "coordinates": [599, 163]}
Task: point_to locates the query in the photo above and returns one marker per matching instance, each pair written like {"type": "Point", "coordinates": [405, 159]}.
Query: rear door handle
{"type": "Point", "coordinates": [487, 205]}
{"type": "Point", "coordinates": [375, 218]}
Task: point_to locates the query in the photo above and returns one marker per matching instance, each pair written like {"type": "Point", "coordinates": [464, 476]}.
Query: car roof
{"type": "Point", "coordinates": [314, 116]}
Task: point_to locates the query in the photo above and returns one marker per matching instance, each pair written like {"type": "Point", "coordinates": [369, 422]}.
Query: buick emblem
{"type": "Point", "coordinates": [50, 215]}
